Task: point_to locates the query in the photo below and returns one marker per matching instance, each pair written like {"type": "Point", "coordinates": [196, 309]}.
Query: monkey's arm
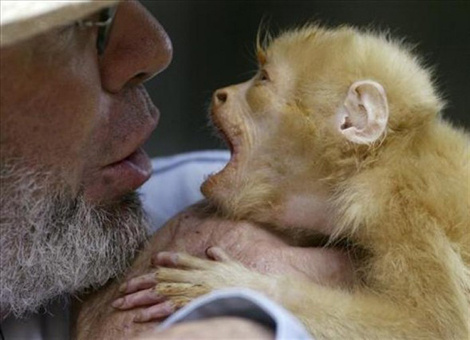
{"type": "Point", "coordinates": [327, 312]}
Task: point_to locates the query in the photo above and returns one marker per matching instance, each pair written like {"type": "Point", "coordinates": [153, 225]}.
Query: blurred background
{"type": "Point", "coordinates": [214, 42]}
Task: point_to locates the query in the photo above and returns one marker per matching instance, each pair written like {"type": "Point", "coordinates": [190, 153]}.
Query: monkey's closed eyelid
{"type": "Point", "coordinates": [264, 75]}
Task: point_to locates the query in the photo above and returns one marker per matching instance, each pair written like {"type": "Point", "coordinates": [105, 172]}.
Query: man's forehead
{"type": "Point", "coordinates": [23, 19]}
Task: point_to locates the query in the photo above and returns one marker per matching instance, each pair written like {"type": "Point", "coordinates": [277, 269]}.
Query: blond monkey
{"type": "Point", "coordinates": [340, 133]}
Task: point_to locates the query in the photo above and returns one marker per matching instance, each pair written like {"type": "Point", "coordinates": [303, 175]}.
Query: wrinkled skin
{"type": "Point", "coordinates": [193, 232]}
{"type": "Point", "coordinates": [72, 128]}
{"type": "Point", "coordinates": [100, 112]}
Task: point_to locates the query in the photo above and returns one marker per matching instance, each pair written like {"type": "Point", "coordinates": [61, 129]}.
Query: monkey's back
{"type": "Point", "coordinates": [415, 221]}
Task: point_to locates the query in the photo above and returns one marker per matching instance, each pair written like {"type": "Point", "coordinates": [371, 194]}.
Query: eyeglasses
{"type": "Point", "coordinates": [104, 24]}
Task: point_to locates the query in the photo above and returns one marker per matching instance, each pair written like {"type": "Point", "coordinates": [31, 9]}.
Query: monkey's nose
{"type": "Point", "coordinates": [220, 97]}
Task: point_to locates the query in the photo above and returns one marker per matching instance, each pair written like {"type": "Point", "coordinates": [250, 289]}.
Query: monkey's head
{"type": "Point", "coordinates": [322, 105]}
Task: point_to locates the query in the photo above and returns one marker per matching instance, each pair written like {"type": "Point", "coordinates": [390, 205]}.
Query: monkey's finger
{"type": "Point", "coordinates": [171, 259]}
{"type": "Point", "coordinates": [138, 283]}
{"type": "Point", "coordinates": [142, 298]}
{"type": "Point", "coordinates": [178, 291]}
{"type": "Point", "coordinates": [217, 254]}
{"type": "Point", "coordinates": [173, 275]}
{"type": "Point", "coordinates": [155, 312]}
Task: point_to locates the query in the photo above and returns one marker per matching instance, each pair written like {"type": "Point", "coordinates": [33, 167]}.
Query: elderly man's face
{"type": "Point", "coordinates": [72, 127]}
{"type": "Point", "coordinates": [62, 107]}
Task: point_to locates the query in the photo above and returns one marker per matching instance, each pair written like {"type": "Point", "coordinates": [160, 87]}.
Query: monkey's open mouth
{"type": "Point", "coordinates": [228, 137]}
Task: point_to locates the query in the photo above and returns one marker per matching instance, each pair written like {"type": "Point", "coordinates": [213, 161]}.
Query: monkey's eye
{"type": "Point", "coordinates": [264, 76]}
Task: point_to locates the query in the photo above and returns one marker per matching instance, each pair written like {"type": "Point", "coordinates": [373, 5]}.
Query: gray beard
{"type": "Point", "coordinates": [53, 245]}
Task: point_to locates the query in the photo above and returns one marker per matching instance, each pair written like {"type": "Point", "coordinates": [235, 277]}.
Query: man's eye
{"type": "Point", "coordinates": [65, 34]}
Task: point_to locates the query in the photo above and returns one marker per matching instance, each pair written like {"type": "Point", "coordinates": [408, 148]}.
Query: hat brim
{"type": "Point", "coordinates": [22, 19]}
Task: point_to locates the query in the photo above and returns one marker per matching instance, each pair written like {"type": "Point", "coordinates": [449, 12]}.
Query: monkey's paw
{"type": "Point", "coordinates": [178, 279]}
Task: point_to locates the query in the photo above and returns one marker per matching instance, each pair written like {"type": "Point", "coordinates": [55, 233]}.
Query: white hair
{"type": "Point", "coordinates": [53, 245]}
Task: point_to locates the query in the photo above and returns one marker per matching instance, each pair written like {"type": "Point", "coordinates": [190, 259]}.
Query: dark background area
{"type": "Point", "coordinates": [214, 42]}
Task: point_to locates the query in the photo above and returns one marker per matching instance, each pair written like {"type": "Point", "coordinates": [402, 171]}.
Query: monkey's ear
{"type": "Point", "coordinates": [363, 117]}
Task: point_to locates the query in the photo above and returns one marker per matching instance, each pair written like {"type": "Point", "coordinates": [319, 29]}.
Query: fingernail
{"type": "Point", "coordinates": [171, 257]}
{"type": "Point", "coordinates": [118, 303]}
{"type": "Point", "coordinates": [162, 254]}
{"type": "Point", "coordinates": [169, 307]}
{"type": "Point", "coordinates": [123, 287]}
{"type": "Point", "coordinates": [156, 259]}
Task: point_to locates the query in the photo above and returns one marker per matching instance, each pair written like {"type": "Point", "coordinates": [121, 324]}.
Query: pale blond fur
{"type": "Point", "coordinates": [404, 199]}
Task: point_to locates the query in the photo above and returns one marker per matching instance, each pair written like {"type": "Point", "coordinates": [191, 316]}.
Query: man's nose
{"type": "Point", "coordinates": [138, 48]}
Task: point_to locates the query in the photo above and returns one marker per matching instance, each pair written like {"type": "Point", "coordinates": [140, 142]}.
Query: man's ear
{"type": "Point", "coordinates": [363, 117]}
